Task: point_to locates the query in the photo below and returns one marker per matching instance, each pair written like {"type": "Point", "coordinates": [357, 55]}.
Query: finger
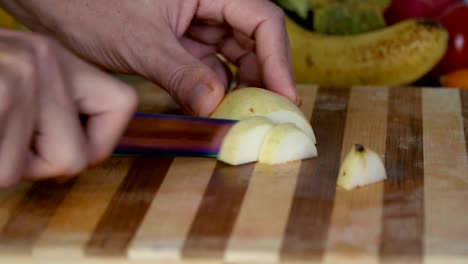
{"type": "Point", "coordinates": [14, 146]}
{"type": "Point", "coordinates": [196, 48]}
{"type": "Point", "coordinates": [244, 41]}
{"type": "Point", "coordinates": [6, 100]}
{"type": "Point", "coordinates": [249, 73]}
{"type": "Point", "coordinates": [59, 141]}
{"type": "Point", "coordinates": [194, 86]}
{"type": "Point", "coordinates": [207, 54]}
{"type": "Point", "coordinates": [220, 68]}
{"type": "Point", "coordinates": [263, 21]}
{"type": "Point", "coordinates": [6, 93]}
{"type": "Point", "coordinates": [207, 34]}
{"type": "Point", "coordinates": [108, 103]}
{"type": "Point", "coordinates": [17, 90]}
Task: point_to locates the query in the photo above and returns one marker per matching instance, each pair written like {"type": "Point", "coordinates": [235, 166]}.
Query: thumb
{"type": "Point", "coordinates": [193, 85]}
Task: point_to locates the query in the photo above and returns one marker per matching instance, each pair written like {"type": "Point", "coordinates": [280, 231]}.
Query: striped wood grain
{"type": "Point", "coordinates": [73, 223]}
{"type": "Point", "coordinates": [355, 229]}
{"type": "Point", "coordinates": [198, 210]}
{"type": "Point", "coordinates": [162, 232]}
{"type": "Point", "coordinates": [261, 222]}
{"type": "Point", "coordinates": [9, 198]}
{"type": "Point", "coordinates": [307, 228]}
{"type": "Point", "coordinates": [127, 207]}
{"type": "Point", "coordinates": [403, 204]}
{"type": "Point", "coordinates": [31, 215]}
{"type": "Point", "coordinates": [464, 103]}
{"type": "Point", "coordinates": [445, 176]}
{"type": "Point", "coordinates": [217, 213]}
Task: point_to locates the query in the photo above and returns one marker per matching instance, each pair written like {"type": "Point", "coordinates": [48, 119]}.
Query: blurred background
{"type": "Point", "coordinates": [372, 42]}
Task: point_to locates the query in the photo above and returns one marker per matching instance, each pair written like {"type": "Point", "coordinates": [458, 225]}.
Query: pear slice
{"type": "Point", "coordinates": [360, 167]}
{"type": "Point", "coordinates": [246, 102]}
{"type": "Point", "coordinates": [286, 142]}
{"type": "Point", "coordinates": [243, 141]}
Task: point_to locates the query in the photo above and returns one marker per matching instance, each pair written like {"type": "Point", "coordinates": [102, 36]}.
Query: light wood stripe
{"type": "Point", "coordinates": [128, 206]}
{"type": "Point", "coordinates": [446, 176]}
{"type": "Point", "coordinates": [403, 213]}
{"type": "Point", "coordinates": [31, 216]}
{"type": "Point", "coordinates": [9, 198]}
{"type": "Point", "coordinates": [259, 229]}
{"type": "Point", "coordinates": [74, 221]}
{"type": "Point", "coordinates": [260, 226]}
{"type": "Point", "coordinates": [355, 228]}
{"type": "Point", "coordinates": [464, 102]}
{"type": "Point", "coordinates": [166, 225]}
{"type": "Point", "coordinates": [309, 218]}
{"type": "Point", "coordinates": [219, 208]}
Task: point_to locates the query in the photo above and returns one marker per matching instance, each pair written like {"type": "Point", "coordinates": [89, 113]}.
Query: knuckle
{"type": "Point", "coordinates": [127, 99]}
{"type": "Point", "coordinates": [22, 65]}
{"type": "Point", "coordinates": [184, 75]}
{"type": "Point", "coordinates": [41, 46]}
{"type": "Point", "coordinates": [176, 78]}
{"type": "Point", "coordinates": [277, 13]}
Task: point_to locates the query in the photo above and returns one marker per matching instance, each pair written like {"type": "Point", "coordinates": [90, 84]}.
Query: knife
{"type": "Point", "coordinates": [175, 135]}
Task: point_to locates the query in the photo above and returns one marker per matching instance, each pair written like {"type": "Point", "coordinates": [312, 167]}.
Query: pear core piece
{"type": "Point", "coordinates": [360, 167]}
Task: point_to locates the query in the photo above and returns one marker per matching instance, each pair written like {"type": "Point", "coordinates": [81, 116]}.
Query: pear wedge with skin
{"type": "Point", "coordinates": [361, 166]}
{"type": "Point", "coordinates": [243, 141]}
{"type": "Point", "coordinates": [286, 142]}
{"type": "Point", "coordinates": [242, 103]}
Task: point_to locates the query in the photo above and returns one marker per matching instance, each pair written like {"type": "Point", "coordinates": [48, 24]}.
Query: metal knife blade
{"type": "Point", "coordinates": [176, 135]}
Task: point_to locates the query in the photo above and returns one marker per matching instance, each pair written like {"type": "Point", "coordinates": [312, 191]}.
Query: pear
{"type": "Point", "coordinates": [360, 167]}
{"type": "Point", "coordinates": [286, 142]}
{"type": "Point", "coordinates": [243, 141]}
{"type": "Point", "coordinates": [251, 101]}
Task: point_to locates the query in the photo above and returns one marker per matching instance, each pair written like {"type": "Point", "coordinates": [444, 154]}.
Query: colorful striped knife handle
{"type": "Point", "coordinates": [175, 135]}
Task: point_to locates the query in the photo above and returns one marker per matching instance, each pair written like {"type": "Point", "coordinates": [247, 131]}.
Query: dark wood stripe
{"type": "Point", "coordinates": [464, 101]}
{"type": "Point", "coordinates": [31, 216]}
{"type": "Point", "coordinates": [310, 215]}
{"type": "Point", "coordinates": [128, 206]}
{"type": "Point", "coordinates": [403, 201]}
{"type": "Point", "coordinates": [218, 211]}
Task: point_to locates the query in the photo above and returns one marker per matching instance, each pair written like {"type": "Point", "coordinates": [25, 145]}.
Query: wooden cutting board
{"type": "Point", "coordinates": [196, 210]}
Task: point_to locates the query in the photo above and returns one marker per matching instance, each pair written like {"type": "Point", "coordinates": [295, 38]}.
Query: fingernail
{"type": "Point", "coordinates": [198, 97]}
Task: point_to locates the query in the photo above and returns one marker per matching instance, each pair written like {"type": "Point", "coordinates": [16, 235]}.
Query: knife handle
{"type": "Point", "coordinates": [175, 135]}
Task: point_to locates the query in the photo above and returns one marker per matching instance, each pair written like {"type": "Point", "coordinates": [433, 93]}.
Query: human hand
{"type": "Point", "coordinates": [174, 43]}
{"type": "Point", "coordinates": [43, 89]}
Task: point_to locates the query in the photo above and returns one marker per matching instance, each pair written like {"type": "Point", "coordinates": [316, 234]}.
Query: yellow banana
{"type": "Point", "coordinates": [395, 55]}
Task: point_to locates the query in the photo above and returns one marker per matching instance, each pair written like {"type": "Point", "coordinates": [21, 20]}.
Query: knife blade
{"type": "Point", "coordinates": [175, 135]}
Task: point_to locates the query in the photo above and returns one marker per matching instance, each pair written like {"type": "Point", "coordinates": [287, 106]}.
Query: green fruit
{"type": "Point", "coordinates": [338, 19]}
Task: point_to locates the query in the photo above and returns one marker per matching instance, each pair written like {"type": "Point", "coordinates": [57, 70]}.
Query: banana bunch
{"type": "Point", "coordinates": [395, 55]}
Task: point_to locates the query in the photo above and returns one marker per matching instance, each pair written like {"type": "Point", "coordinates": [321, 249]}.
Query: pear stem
{"type": "Point", "coordinates": [359, 148]}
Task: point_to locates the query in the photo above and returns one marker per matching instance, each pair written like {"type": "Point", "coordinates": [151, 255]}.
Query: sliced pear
{"type": "Point", "coordinates": [246, 102]}
{"type": "Point", "coordinates": [360, 167]}
{"type": "Point", "coordinates": [243, 141]}
{"type": "Point", "coordinates": [286, 142]}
